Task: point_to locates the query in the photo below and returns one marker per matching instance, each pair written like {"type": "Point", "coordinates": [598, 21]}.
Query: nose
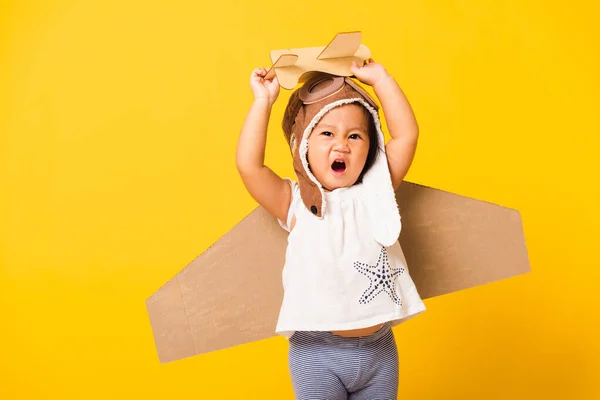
{"type": "Point", "coordinates": [341, 145]}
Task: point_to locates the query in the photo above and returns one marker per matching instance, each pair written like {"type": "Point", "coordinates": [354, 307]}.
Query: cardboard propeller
{"type": "Point", "coordinates": [231, 294]}
{"type": "Point", "coordinates": [293, 66]}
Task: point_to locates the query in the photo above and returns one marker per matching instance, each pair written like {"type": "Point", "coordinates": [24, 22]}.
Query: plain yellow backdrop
{"type": "Point", "coordinates": [118, 127]}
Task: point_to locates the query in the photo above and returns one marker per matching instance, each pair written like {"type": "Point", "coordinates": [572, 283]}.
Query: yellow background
{"type": "Point", "coordinates": [118, 127]}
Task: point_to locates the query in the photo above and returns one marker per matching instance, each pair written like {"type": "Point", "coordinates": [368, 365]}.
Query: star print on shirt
{"type": "Point", "coordinates": [382, 276]}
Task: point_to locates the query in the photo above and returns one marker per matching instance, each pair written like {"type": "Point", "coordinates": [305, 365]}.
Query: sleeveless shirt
{"type": "Point", "coordinates": [336, 276]}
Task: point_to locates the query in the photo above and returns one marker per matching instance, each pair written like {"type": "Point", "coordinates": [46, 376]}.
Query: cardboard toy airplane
{"type": "Point", "coordinates": [231, 294]}
{"type": "Point", "coordinates": [293, 66]}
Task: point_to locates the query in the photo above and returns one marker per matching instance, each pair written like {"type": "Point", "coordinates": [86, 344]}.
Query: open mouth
{"type": "Point", "coordinates": [338, 166]}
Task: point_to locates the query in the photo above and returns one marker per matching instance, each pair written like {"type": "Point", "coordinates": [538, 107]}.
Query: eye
{"type": "Point", "coordinates": [355, 136]}
{"type": "Point", "coordinates": [326, 133]}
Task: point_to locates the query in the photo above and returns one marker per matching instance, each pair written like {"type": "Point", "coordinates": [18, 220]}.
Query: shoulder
{"type": "Point", "coordinates": [295, 188]}
{"type": "Point", "coordinates": [295, 199]}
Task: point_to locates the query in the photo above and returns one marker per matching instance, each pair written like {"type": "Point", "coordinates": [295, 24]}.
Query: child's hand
{"type": "Point", "coordinates": [264, 88]}
{"type": "Point", "coordinates": [371, 73]}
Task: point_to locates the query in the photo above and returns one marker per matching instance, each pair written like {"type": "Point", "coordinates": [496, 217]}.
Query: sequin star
{"type": "Point", "coordinates": [382, 278]}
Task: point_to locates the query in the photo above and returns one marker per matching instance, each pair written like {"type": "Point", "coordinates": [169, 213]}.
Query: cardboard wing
{"type": "Point", "coordinates": [231, 294]}
{"type": "Point", "coordinates": [295, 65]}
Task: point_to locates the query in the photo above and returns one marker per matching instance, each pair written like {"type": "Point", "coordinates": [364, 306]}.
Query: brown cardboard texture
{"type": "Point", "coordinates": [295, 65]}
{"type": "Point", "coordinates": [231, 294]}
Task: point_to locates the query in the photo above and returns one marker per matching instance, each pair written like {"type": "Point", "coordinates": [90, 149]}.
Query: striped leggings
{"type": "Point", "coordinates": [324, 366]}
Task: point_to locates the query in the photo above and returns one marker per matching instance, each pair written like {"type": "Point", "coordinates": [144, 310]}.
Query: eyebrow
{"type": "Point", "coordinates": [357, 128]}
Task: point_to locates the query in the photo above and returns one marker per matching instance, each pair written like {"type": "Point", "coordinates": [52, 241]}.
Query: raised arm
{"type": "Point", "coordinates": [266, 187]}
{"type": "Point", "coordinates": [399, 118]}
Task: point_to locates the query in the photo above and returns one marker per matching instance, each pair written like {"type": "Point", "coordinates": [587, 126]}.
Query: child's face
{"type": "Point", "coordinates": [338, 146]}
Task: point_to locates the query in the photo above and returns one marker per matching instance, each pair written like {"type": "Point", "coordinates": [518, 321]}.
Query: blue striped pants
{"type": "Point", "coordinates": [324, 366]}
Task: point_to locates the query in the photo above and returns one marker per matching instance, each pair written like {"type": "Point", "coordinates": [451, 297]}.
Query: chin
{"type": "Point", "coordinates": [339, 183]}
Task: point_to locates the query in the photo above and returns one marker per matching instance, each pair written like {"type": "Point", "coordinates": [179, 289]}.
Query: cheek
{"type": "Point", "coordinates": [311, 150]}
{"type": "Point", "coordinates": [311, 156]}
{"type": "Point", "coordinates": [316, 151]}
{"type": "Point", "coordinates": [314, 159]}
{"type": "Point", "coordinates": [362, 151]}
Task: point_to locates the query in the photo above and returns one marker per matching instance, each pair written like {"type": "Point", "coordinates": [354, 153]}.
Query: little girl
{"type": "Point", "coordinates": [345, 277]}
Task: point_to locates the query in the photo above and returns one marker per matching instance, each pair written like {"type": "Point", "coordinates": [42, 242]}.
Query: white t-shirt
{"type": "Point", "coordinates": [336, 276]}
